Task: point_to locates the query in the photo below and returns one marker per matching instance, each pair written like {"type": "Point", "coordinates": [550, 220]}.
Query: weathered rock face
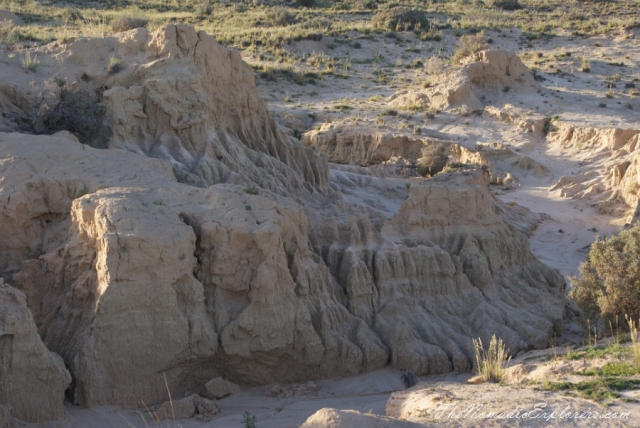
{"type": "Point", "coordinates": [134, 272]}
{"type": "Point", "coordinates": [361, 146]}
{"type": "Point", "coordinates": [614, 174]}
{"type": "Point", "coordinates": [123, 299]}
{"type": "Point", "coordinates": [449, 257]}
{"type": "Point", "coordinates": [160, 277]}
{"type": "Point", "coordinates": [483, 78]}
{"type": "Point", "coordinates": [180, 97]}
{"type": "Point", "coordinates": [33, 378]}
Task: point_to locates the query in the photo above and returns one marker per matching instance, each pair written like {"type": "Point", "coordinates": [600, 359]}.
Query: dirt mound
{"type": "Point", "coordinates": [487, 77]}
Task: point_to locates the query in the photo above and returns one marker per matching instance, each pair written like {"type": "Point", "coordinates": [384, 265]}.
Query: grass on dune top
{"type": "Point", "coordinates": [245, 24]}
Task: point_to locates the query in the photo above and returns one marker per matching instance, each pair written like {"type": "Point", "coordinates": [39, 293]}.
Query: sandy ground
{"type": "Point", "coordinates": [574, 96]}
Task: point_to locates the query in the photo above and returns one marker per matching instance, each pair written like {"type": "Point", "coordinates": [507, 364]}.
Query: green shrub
{"type": "Point", "coordinates": [609, 281]}
{"type": "Point", "coordinates": [503, 4]}
{"type": "Point", "coordinates": [279, 17]}
{"type": "Point", "coordinates": [401, 18]}
{"type": "Point", "coordinates": [253, 190]}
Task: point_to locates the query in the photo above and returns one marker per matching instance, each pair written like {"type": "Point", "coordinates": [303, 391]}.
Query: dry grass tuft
{"type": "Point", "coordinates": [401, 19]}
{"type": "Point", "coordinates": [491, 362]}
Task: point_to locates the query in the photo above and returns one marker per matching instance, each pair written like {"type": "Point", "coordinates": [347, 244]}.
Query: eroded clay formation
{"type": "Point", "coordinates": [203, 242]}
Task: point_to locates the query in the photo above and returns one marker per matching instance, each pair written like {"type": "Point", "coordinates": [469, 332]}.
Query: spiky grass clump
{"type": "Point", "coordinates": [30, 63]}
{"type": "Point", "coordinates": [491, 362]}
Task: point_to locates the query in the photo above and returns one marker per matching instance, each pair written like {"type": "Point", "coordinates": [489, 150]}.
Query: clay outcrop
{"type": "Point", "coordinates": [613, 179]}
{"type": "Point", "coordinates": [177, 95]}
{"type": "Point", "coordinates": [486, 77]}
{"type": "Point", "coordinates": [33, 378]}
{"type": "Point", "coordinates": [198, 241]}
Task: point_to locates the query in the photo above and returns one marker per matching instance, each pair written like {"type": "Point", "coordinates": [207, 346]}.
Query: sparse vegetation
{"type": "Point", "coordinates": [469, 45]}
{"type": "Point", "coordinates": [8, 33]}
{"type": "Point", "coordinates": [249, 420]}
{"type": "Point", "coordinates": [503, 4]}
{"type": "Point", "coordinates": [252, 190]}
{"type": "Point", "coordinates": [82, 192]}
{"type": "Point", "coordinates": [609, 281]}
{"type": "Point", "coordinates": [115, 65]}
{"type": "Point", "coordinates": [434, 66]}
{"type": "Point", "coordinates": [401, 19]}
{"type": "Point", "coordinates": [29, 62]}
{"type": "Point", "coordinates": [490, 363]}
{"type": "Point", "coordinates": [603, 389]}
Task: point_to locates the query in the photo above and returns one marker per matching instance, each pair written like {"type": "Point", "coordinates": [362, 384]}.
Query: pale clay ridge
{"type": "Point", "coordinates": [616, 175]}
{"type": "Point", "coordinates": [181, 97]}
{"type": "Point", "coordinates": [144, 275]}
{"type": "Point", "coordinates": [485, 75]}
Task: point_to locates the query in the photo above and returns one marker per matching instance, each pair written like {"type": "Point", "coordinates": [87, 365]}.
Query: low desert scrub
{"type": "Point", "coordinates": [585, 65]}
{"type": "Point", "coordinates": [609, 283]}
{"type": "Point", "coordinates": [29, 62]}
{"type": "Point", "coordinates": [490, 363]}
{"type": "Point", "coordinates": [469, 45]}
{"type": "Point", "coordinates": [432, 35]}
{"type": "Point", "coordinates": [205, 8]}
{"type": "Point", "coordinates": [64, 107]}
{"type": "Point", "coordinates": [611, 369]}
{"type": "Point", "coordinates": [434, 66]}
{"type": "Point", "coordinates": [503, 4]}
{"type": "Point", "coordinates": [615, 350]}
{"type": "Point", "coordinates": [278, 17]}
{"type": "Point", "coordinates": [253, 190]}
{"type": "Point", "coordinates": [127, 23]}
{"type": "Point", "coordinates": [434, 160]}
{"type": "Point", "coordinates": [115, 65]}
{"type": "Point", "coordinates": [8, 33]}
{"type": "Point", "coordinates": [602, 389]}
{"type": "Point", "coordinates": [401, 19]}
